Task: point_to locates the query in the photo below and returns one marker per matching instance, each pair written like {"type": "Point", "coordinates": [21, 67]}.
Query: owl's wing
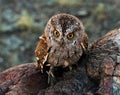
{"type": "Point", "coordinates": [41, 52]}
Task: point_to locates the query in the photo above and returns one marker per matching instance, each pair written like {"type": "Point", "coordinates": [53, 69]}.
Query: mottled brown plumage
{"type": "Point", "coordinates": [62, 44]}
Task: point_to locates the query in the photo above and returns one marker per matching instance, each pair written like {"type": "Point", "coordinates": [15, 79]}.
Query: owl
{"type": "Point", "coordinates": [63, 43]}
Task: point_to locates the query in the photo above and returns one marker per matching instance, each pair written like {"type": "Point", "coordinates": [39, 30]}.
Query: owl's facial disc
{"type": "Point", "coordinates": [62, 38]}
{"type": "Point", "coordinates": [63, 29]}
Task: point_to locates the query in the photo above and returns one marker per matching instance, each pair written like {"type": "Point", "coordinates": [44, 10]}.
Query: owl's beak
{"type": "Point", "coordinates": [62, 41]}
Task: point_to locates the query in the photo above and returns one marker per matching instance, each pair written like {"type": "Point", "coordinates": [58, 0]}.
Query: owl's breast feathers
{"type": "Point", "coordinates": [41, 52]}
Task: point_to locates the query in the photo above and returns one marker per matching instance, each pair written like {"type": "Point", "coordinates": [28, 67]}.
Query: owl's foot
{"type": "Point", "coordinates": [51, 77]}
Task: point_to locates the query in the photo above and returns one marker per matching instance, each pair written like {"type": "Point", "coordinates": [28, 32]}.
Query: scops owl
{"type": "Point", "coordinates": [62, 44]}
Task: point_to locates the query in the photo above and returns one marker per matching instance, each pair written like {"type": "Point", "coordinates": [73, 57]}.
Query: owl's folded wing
{"type": "Point", "coordinates": [41, 52]}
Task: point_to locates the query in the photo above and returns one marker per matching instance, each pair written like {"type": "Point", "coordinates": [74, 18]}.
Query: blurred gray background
{"type": "Point", "coordinates": [23, 21]}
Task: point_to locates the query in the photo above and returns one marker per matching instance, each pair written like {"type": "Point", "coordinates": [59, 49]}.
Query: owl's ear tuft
{"type": "Point", "coordinates": [52, 22]}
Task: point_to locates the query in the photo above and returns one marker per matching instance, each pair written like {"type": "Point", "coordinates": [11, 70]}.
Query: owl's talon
{"type": "Point", "coordinates": [51, 77]}
{"type": "Point", "coordinates": [48, 77]}
{"type": "Point", "coordinates": [51, 71]}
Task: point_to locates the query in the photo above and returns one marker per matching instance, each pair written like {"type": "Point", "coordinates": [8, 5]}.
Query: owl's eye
{"type": "Point", "coordinates": [56, 33]}
{"type": "Point", "coordinates": [70, 36]}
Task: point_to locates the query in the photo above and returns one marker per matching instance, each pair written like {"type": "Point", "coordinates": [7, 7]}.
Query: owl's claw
{"type": "Point", "coordinates": [51, 77]}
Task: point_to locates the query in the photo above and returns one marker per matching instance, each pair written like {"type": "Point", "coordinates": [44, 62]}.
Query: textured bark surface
{"type": "Point", "coordinates": [97, 73]}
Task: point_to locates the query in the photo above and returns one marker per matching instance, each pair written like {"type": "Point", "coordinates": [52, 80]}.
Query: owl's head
{"type": "Point", "coordinates": [64, 29]}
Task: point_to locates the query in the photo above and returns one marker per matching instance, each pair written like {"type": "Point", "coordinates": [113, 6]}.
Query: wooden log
{"type": "Point", "coordinates": [97, 73]}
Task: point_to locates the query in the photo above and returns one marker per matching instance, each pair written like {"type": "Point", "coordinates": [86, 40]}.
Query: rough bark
{"type": "Point", "coordinates": [97, 73]}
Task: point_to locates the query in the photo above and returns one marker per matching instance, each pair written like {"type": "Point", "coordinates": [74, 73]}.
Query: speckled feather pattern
{"type": "Point", "coordinates": [61, 51]}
